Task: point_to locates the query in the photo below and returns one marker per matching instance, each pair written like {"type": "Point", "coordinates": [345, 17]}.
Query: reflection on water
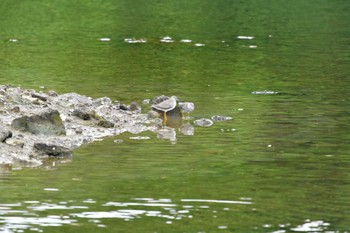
{"type": "Point", "coordinates": [167, 133]}
{"type": "Point", "coordinates": [36, 215]}
{"type": "Point", "coordinates": [279, 68]}
{"type": "Point", "coordinates": [20, 216]}
{"type": "Point", "coordinates": [168, 39]}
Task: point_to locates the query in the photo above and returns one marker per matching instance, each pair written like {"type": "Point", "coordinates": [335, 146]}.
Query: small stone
{"type": "Point", "coordinates": [153, 114]}
{"type": "Point", "coordinates": [82, 114]}
{"type": "Point", "coordinates": [123, 107]}
{"type": "Point", "coordinates": [78, 131]}
{"type": "Point", "coordinates": [14, 142]}
{"type": "Point", "coordinates": [102, 101]}
{"type": "Point", "coordinates": [105, 124]}
{"type": "Point", "coordinates": [134, 106]}
{"type": "Point", "coordinates": [204, 122]}
{"type": "Point", "coordinates": [15, 109]}
{"type": "Point", "coordinates": [40, 97]}
{"type": "Point", "coordinates": [52, 93]}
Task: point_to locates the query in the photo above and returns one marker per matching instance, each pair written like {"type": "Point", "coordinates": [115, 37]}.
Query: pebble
{"type": "Point", "coordinates": [14, 142]}
{"type": "Point", "coordinates": [204, 122]}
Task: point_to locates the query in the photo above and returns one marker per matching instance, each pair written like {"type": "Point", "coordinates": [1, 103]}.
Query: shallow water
{"type": "Point", "coordinates": [279, 68]}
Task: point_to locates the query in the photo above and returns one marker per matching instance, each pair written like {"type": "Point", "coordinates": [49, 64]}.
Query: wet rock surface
{"type": "Point", "coordinates": [47, 122]}
{"type": "Point", "coordinates": [52, 150]}
{"type": "Point", "coordinates": [35, 125]}
{"type": "Point", "coordinates": [4, 134]}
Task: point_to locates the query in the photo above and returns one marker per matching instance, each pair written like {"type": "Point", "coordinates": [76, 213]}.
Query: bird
{"type": "Point", "coordinates": [166, 106]}
{"type": "Point", "coordinates": [186, 107]}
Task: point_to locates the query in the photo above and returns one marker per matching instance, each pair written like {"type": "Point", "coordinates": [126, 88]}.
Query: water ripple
{"type": "Point", "coordinates": [33, 215]}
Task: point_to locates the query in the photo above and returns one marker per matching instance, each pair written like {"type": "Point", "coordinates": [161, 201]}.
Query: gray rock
{"type": "Point", "coordinates": [123, 107]}
{"type": "Point", "coordinates": [52, 150]}
{"type": "Point", "coordinates": [221, 118]}
{"type": "Point", "coordinates": [40, 131]}
{"type": "Point", "coordinates": [16, 109]}
{"type": "Point", "coordinates": [82, 113]}
{"type": "Point", "coordinates": [52, 93]}
{"type": "Point", "coordinates": [134, 106]}
{"type": "Point", "coordinates": [204, 122]}
{"type": "Point", "coordinates": [15, 142]}
{"type": "Point", "coordinates": [105, 124]}
{"type": "Point", "coordinates": [20, 123]}
{"type": "Point", "coordinates": [186, 106]}
{"type": "Point", "coordinates": [4, 134]}
{"type": "Point", "coordinates": [102, 101]}
{"type": "Point", "coordinates": [46, 123]}
{"type": "Point", "coordinates": [40, 97]}
{"type": "Point", "coordinates": [153, 114]}
{"type": "Point", "coordinates": [74, 99]}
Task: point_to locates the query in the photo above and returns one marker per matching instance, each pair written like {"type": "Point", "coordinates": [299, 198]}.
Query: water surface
{"type": "Point", "coordinates": [279, 68]}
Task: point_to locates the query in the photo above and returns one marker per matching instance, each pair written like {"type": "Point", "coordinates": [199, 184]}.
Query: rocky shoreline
{"type": "Point", "coordinates": [35, 125]}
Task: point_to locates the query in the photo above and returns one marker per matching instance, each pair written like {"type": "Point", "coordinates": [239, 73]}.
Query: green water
{"type": "Point", "coordinates": [282, 163]}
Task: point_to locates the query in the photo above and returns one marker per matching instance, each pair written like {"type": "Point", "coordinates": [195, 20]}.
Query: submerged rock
{"type": "Point", "coordinates": [37, 124]}
{"type": "Point", "coordinates": [204, 122]}
{"type": "Point", "coordinates": [187, 129]}
{"type": "Point", "coordinates": [167, 133]}
{"type": "Point", "coordinates": [221, 118]}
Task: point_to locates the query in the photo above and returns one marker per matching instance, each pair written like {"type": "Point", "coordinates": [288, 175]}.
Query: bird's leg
{"type": "Point", "coordinates": [165, 118]}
